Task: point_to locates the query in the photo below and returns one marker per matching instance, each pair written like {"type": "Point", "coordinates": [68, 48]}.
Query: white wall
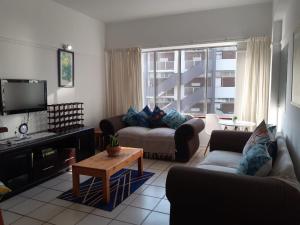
{"type": "Point", "coordinates": [196, 27]}
{"type": "Point", "coordinates": [30, 33]}
{"type": "Point", "coordinates": [290, 115]}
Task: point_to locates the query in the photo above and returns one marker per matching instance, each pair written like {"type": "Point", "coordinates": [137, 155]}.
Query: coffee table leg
{"type": "Point", "coordinates": [76, 184]}
{"type": "Point", "coordinates": [106, 188]}
{"type": "Point", "coordinates": [140, 166]}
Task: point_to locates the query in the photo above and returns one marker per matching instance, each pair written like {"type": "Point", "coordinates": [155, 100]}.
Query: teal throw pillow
{"type": "Point", "coordinates": [130, 118]}
{"type": "Point", "coordinates": [256, 162]}
{"type": "Point", "coordinates": [174, 119]}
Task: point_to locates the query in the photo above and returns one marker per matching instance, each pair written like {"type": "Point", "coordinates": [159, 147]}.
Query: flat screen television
{"type": "Point", "coordinates": [23, 96]}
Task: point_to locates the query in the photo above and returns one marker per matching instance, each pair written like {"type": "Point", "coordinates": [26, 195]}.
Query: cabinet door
{"type": "Point", "coordinates": [15, 169]}
{"type": "Point", "coordinates": [44, 162]}
{"type": "Point", "coordinates": [66, 157]}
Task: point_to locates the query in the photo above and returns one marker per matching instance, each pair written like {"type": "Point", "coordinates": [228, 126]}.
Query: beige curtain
{"type": "Point", "coordinates": [256, 80]}
{"type": "Point", "coordinates": [123, 80]}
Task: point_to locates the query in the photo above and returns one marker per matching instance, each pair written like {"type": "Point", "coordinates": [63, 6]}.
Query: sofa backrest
{"type": "Point", "coordinates": [283, 167]}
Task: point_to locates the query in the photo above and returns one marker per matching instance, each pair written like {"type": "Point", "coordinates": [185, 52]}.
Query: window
{"type": "Point", "coordinates": [194, 81]}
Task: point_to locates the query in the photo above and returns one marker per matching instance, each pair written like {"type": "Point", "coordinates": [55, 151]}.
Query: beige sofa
{"type": "Point", "coordinates": [159, 143]}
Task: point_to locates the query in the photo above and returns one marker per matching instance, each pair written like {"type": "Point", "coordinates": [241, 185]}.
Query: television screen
{"type": "Point", "coordinates": [21, 96]}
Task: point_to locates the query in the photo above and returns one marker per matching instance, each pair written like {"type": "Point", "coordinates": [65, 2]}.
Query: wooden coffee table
{"type": "Point", "coordinates": [100, 165]}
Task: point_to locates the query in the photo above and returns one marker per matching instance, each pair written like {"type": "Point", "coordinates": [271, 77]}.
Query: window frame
{"type": "Point", "coordinates": [206, 49]}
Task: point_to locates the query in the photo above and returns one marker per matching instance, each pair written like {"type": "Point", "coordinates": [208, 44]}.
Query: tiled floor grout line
{"type": "Point", "coordinates": [88, 213]}
{"type": "Point", "coordinates": [22, 216]}
{"type": "Point", "coordinates": [159, 171]}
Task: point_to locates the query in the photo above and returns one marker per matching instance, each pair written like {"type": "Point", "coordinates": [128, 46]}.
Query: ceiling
{"type": "Point", "coordinates": [120, 10]}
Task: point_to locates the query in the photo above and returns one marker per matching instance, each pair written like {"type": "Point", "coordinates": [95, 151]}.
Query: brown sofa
{"type": "Point", "coordinates": [163, 142]}
{"type": "Point", "coordinates": [214, 194]}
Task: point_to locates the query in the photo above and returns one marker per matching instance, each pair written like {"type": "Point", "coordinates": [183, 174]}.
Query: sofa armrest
{"type": "Point", "coordinates": [187, 139]}
{"type": "Point", "coordinates": [225, 140]}
{"type": "Point", "coordinates": [112, 125]}
{"type": "Point", "coordinates": [228, 196]}
{"type": "Point", "coordinates": [188, 129]}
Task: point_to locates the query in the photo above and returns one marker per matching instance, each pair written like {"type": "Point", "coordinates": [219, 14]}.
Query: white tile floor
{"type": "Point", "coordinates": [147, 206]}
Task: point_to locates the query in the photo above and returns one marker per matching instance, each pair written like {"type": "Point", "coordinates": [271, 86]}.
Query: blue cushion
{"type": "Point", "coordinates": [134, 118]}
{"type": "Point", "coordinates": [146, 113]}
{"type": "Point", "coordinates": [174, 119]}
{"type": "Point", "coordinates": [130, 118]}
{"type": "Point", "coordinates": [144, 117]}
{"type": "Point", "coordinates": [156, 117]}
{"type": "Point", "coordinates": [256, 161]}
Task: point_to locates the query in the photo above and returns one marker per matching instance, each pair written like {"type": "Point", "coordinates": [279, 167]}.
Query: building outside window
{"type": "Point", "coordinates": [194, 81]}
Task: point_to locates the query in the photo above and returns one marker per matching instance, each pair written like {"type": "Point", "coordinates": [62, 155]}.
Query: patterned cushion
{"type": "Point", "coordinates": [256, 162]}
{"type": "Point", "coordinates": [146, 112]}
{"type": "Point", "coordinates": [131, 118]}
{"type": "Point", "coordinates": [3, 189]}
{"type": "Point", "coordinates": [134, 118]}
{"type": "Point", "coordinates": [156, 118]}
{"type": "Point", "coordinates": [174, 119]}
{"type": "Point", "coordinates": [144, 117]}
{"type": "Point", "coordinates": [259, 136]}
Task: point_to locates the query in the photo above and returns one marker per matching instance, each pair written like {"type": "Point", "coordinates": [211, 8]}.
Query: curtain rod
{"type": "Point", "coordinates": [190, 45]}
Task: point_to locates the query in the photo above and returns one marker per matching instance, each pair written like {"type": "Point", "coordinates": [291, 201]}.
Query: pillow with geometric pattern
{"type": "Point", "coordinates": [174, 119]}
{"type": "Point", "coordinates": [130, 118]}
{"type": "Point", "coordinates": [156, 118]}
{"type": "Point", "coordinates": [256, 162]}
{"type": "Point", "coordinates": [259, 136]}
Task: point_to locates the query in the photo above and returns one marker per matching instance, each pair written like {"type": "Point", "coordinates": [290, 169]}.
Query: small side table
{"type": "Point", "coordinates": [99, 139]}
{"type": "Point", "coordinates": [237, 125]}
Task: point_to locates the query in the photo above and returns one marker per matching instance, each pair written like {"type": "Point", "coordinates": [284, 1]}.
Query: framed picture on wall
{"type": "Point", "coordinates": [296, 69]}
{"type": "Point", "coordinates": [65, 68]}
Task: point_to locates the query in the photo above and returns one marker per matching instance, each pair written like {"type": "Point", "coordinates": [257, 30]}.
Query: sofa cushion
{"type": "Point", "coordinates": [223, 158]}
{"type": "Point", "coordinates": [130, 117]}
{"type": "Point", "coordinates": [132, 136]}
{"type": "Point", "coordinates": [283, 167]}
{"type": "Point", "coordinates": [256, 162]}
{"type": "Point", "coordinates": [160, 140]}
{"type": "Point", "coordinates": [259, 136]}
{"type": "Point", "coordinates": [217, 168]}
{"type": "Point", "coordinates": [144, 117]}
{"type": "Point", "coordinates": [156, 117]}
{"type": "Point", "coordinates": [174, 119]}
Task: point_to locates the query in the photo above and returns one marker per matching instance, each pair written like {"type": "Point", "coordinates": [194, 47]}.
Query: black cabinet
{"type": "Point", "coordinates": [25, 165]}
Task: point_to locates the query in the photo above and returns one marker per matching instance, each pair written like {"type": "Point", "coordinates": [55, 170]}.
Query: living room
{"type": "Point", "coordinates": [185, 87]}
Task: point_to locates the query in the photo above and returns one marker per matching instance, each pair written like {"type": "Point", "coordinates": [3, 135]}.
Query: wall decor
{"type": "Point", "coordinates": [296, 69]}
{"type": "Point", "coordinates": [65, 68]}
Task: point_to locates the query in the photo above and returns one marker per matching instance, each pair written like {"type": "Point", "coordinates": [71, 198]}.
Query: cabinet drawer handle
{"type": "Point", "coordinates": [69, 159]}
{"type": "Point", "coordinates": [50, 167]}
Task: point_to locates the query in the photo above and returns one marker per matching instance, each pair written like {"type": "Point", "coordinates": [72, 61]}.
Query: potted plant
{"type": "Point", "coordinates": [234, 119]}
{"type": "Point", "coordinates": [113, 148]}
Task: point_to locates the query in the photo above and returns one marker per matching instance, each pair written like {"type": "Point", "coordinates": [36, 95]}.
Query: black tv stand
{"type": "Point", "coordinates": [27, 163]}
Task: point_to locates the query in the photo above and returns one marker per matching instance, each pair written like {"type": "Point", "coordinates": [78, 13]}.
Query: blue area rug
{"type": "Point", "coordinates": [122, 184]}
